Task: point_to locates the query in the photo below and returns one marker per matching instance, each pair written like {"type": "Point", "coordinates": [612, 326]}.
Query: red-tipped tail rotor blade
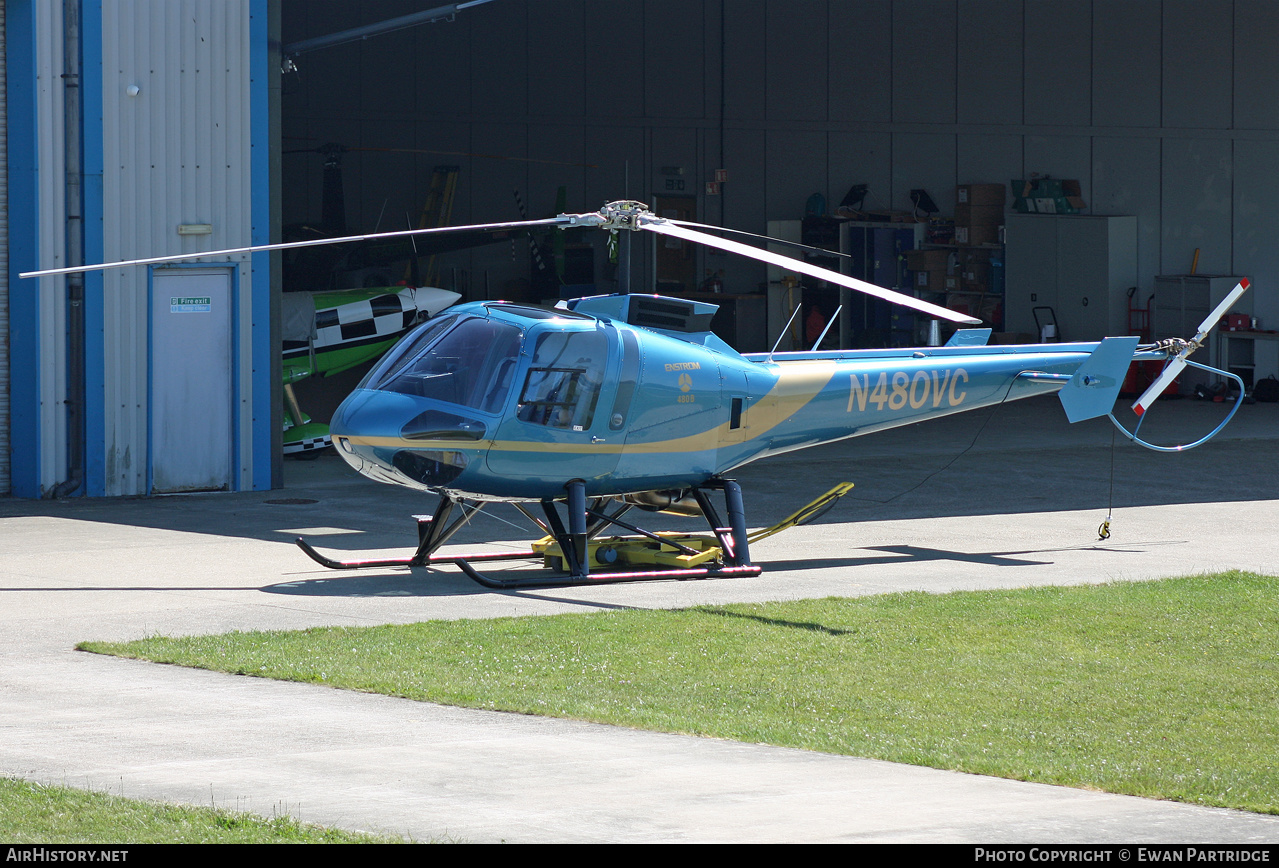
{"type": "Point", "coordinates": [1161, 382]}
{"type": "Point", "coordinates": [1226, 304]}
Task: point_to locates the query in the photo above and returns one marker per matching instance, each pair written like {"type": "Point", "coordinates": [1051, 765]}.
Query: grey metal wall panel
{"type": "Point", "coordinates": [502, 44]}
{"type": "Point", "coordinates": [744, 201]}
{"type": "Point", "coordinates": [618, 153]}
{"type": "Point", "coordinates": [924, 160]}
{"type": "Point", "coordinates": [443, 69]}
{"type": "Point", "coordinates": [559, 60]}
{"type": "Point", "coordinates": [1060, 156]}
{"type": "Point", "coordinates": [860, 158]}
{"type": "Point", "coordinates": [560, 143]}
{"type": "Point", "coordinates": [394, 56]}
{"type": "Point", "coordinates": [745, 69]}
{"type": "Point", "coordinates": [1125, 180]}
{"type": "Point", "coordinates": [989, 86]}
{"type": "Point", "coordinates": [671, 148]}
{"type": "Point", "coordinates": [491, 193]}
{"type": "Point", "coordinates": [674, 64]}
{"type": "Point", "coordinates": [384, 186]}
{"type": "Point", "coordinates": [1126, 79]}
{"type": "Point", "coordinates": [1058, 52]}
{"type": "Point", "coordinates": [1198, 63]}
{"type": "Point", "coordinates": [1196, 192]}
{"type": "Point", "coordinates": [1256, 79]}
{"type": "Point", "coordinates": [988, 159]}
{"type": "Point", "coordinates": [860, 58]}
{"type": "Point", "coordinates": [1255, 251]}
{"type": "Point", "coordinates": [796, 52]}
{"type": "Point", "coordinates": [924, 62]}
{"type": "Point", "coordinates": [796, 170]}
{"type": "Point", "coordinates": [614, 82]}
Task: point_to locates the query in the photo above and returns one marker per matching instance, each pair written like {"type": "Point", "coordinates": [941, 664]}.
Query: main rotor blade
{"type": "Point", "coordinates": [664, 227]}
{"type": "Point", "coordinates": [562, 220]}
{"type": "Point", "coordinates": [768, 238]}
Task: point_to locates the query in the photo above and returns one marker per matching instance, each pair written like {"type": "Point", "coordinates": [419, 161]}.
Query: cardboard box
{"type": "Point", "coordinates": [982, 234]}
{"type": "Point", "coordinates": [975, 273]}
{"type": "Point", "coordinates": [978, 224]}
{"type": "Point", "coordinates": [927, 260]}
{"type": "Point", "coordinates": [1047, 196]}
{"type": "Point", "coordinates": [978, 215]}
{"type": "Point", "coordinates": [932, 279]}
{"type": "Point", "coordinates": [980, 194]}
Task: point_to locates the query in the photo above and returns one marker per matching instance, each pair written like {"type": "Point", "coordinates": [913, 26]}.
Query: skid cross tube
{"type": "Point", "coordinates": [732, 538]}
{"type": "Point", "coordinates": [584, 522]}
{"type": "Point", "coordinates": [432, 532]}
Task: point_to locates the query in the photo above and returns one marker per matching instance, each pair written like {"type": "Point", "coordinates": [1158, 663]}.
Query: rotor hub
{"type": "Point", "coordinates": [624, 214]}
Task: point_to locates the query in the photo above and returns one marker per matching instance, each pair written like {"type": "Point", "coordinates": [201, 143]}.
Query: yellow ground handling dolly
{"type": "Point", "coordinates": [675, 550]}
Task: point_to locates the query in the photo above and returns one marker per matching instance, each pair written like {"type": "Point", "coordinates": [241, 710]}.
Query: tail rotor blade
{"type": "Point", "coordinates": [1221, 309]}
{"type": "Point", "coordinates": [663, 227]}
{"type": "Point", "coordinates": [1165, 378]}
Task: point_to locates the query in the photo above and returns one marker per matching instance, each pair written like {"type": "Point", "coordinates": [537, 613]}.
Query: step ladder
{"type": "Point", "coordinates": [437, 212]}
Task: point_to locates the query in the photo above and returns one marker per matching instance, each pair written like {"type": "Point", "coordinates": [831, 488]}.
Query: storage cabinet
{"type": "Point", "coordinates": [1079, 265]}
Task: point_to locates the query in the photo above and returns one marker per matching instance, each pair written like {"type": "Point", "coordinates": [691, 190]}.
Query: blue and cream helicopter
{"type": "Point", "coordinates": [609, 403]}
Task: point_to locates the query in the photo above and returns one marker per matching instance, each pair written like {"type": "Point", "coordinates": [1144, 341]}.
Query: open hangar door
{"type": "Point", "coordinates": [443, 123]}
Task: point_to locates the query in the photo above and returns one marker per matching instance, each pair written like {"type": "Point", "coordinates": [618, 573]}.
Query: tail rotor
{"type": "Point", "coordinates": [1175, 365]}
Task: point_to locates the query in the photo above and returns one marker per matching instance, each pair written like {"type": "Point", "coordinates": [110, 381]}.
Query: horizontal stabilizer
{"type": "Point", "coordinates": [969, 338]}
{"type": "Point", "coordinates": [1093, 389]}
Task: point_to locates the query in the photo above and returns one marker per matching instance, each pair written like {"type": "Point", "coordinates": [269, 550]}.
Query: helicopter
{"type": "Point", "coordinates": [609, 403]}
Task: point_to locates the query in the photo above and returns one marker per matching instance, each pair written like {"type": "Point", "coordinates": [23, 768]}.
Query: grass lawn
{"type": "Point", "coordinates": [1163, 689]}
{"type": "Point", "coordinates": [38, 814]}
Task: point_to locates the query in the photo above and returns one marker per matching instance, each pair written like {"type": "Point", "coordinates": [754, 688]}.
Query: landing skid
{"type": "Point", "coordinates": [577, 552]}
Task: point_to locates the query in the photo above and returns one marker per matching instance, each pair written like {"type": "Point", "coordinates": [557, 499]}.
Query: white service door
{"type": "Point", "coordinates": [192, 386]}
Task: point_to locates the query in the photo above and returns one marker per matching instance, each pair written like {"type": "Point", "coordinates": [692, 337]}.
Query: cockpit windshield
{"type": "Point", "coordinates": [468, 361]}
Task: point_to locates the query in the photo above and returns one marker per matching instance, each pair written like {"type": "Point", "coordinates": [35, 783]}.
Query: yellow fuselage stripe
{"type": "Point", "coordinates": [797, 384]}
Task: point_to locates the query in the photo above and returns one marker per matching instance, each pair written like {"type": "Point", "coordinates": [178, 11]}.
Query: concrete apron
{"type": "Point", "coordinates": [1020, 507]}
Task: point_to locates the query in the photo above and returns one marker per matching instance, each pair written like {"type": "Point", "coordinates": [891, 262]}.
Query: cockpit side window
{"type": "Point", "coordinates": [564, 380]}
{"type": "Point", "coordinates": [471, 365]}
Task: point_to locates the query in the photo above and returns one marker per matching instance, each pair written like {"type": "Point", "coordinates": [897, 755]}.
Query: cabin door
{"type": "Point", "coordinates": [560, 427]}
